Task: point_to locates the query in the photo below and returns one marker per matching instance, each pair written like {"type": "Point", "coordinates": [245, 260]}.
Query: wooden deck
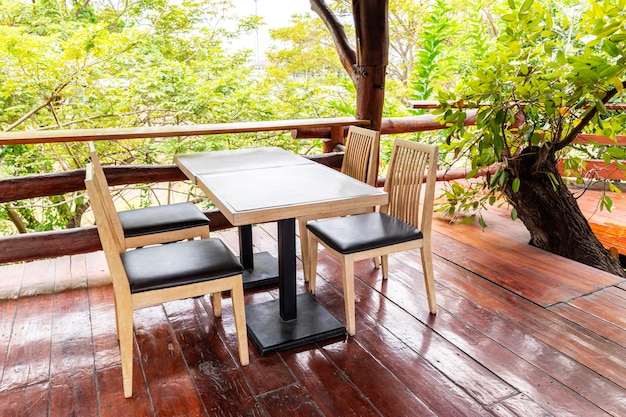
{"type": "Point", "coordinates": [519, 332]}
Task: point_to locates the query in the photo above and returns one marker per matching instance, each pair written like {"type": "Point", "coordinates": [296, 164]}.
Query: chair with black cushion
{"type": "Point", "coordinates": [152, 225]}
{"type": "Point", "coordinates": [359, 162]}
{"type": "Point", "coordinates": [160, 273]}
{"type": "Point", "coordinates": [398, 226]}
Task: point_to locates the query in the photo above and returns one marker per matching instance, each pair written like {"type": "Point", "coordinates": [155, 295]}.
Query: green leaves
{"type": "Point", "coordinates": [515, 185]}
{"type": "Point", "coordinates": [526, 6]}
{"type": "Point", "coordinates": [434, 58]}
{"type": "Point", "coordinates": [548, 66]}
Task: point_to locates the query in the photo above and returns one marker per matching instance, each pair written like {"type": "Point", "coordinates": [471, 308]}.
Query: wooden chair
{"type": "Point", "coordinates": [152, 225]}
{"type": "Point", "coordinates": [359, 162]}
{"type": "Point", "coordinates": [398, 225]}
{"type": "Point", "coordinates": [156, 274]}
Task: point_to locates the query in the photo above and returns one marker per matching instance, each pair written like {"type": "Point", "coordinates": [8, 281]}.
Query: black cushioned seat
{"type": "Point", "coordinates": [182, 263]}
{"type": "Point", "coordinates": [158, 219]}
{"type": "Point", "coordinates": [363, 232]}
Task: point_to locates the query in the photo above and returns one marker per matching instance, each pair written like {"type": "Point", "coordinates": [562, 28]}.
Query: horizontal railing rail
{"type": "Point", "coordinates": [83, 135]}
{"type": "Point", "coordinates": [37, 245]}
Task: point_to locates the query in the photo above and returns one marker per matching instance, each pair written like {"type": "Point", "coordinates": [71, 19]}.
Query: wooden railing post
{"type": "Point", "coordinates": [336, 138]}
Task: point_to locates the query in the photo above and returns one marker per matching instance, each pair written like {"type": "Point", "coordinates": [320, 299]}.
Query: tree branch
{"type": "Point", "coordinates": [16, 220]}
{"type": "Point", "coordinates": [585, 121]}
{"type": "Point", "coordinates": [347, 54]}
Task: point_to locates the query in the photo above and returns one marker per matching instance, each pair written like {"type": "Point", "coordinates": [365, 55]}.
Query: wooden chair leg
{"type": "Point", "coordinates": [240, 320]}
{"type": "Point", "coordinates": [376, 261]}
{"type": "Point", "coordinates": [312, 261]}
{"type": "Point", "coordinates": [429, 277]}
{"type": "Point", "coordinates": [117, 318]}
{"type": "Point", "coordinates": [384, 262]}
{"type": "Point", "coordinates": [125, 331]}
{"type": "Point", "coordinates": [216, 301]}
{"type": "Point", "coordinates": [304, 248]}
{"type": "Point", "coordinates": [348, 294]}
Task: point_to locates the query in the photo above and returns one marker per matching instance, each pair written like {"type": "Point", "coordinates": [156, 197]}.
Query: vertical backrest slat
{"type": "Point", "coordinates": [361, 154]}
{"type": "Point", "coordinates": [411, 181]}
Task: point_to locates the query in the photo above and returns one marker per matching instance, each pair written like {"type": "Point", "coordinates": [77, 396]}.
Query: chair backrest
{"type": "Point", "coordinates": [104, 195]}
{"type": "Point", "coordinates": [111, 245]}
{"type": "Point", "coordinates": [412, 166]}
{"type": "Point", "coordinates": [361, 156]}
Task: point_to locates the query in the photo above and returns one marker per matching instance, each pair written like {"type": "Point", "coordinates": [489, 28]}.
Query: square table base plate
{"type": "Point", "coordinates": [264, 273]}
{"type": "Point", "coordinates": [270, 333]}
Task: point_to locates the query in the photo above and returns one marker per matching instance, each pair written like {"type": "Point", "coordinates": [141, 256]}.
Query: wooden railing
{"type": "Point", "coordinates": [39, 245]}
{"type": "Point", "coordinates": [30, 246]}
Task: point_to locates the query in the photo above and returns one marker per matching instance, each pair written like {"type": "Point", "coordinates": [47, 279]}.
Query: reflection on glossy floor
{"type": "Point", "coordinates": [519, 332]}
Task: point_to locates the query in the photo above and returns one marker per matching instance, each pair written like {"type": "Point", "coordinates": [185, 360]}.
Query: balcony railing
{"type": "Point", "coordinates": [37, 245]}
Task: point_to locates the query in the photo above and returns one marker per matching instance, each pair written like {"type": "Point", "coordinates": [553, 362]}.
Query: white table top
{"type": "Point", "coordinates": [195, 164]}
{"type": "Point", "coordinates": [261, 185]}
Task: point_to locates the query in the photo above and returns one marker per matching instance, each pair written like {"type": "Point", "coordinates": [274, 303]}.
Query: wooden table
{"type": "Point", "coordinates": [270, 184]}
{"type": "Point", "coordinates": [261, 268]}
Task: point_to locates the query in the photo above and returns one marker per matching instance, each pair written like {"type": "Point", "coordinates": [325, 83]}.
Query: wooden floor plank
{"type": "Point", "coordinates": [108, 368]}
{"type": "Point", "coordinates": [10, 284]}
{"type": "Point", "coordinates": [7, 318]}
{"type": "Point", "coordinates": [441, 394]}
{"type": "Point", "coordinates": [381, 387]}
{"type": "Point", "coordinates": [111, 393]}
{"type": "Point", "coordinates": [501, 229]}
{"type": "Point", "coordinates": [168, 376]}
{"type": "Point", "coordinates": [292, 400]}
{"type": "Point", "coordinates": [103, 331]}
{"type": "Point", "coordinates": [615, 296]}
{"type": "Point", "coordinates": [489, 351]}
{"type": "Point", "coordinates": [72, 371]}
{"type": "Point", "coordinates": [98, 270]}
{"type": "Point", "coordinates": [409, 305]}
{"type": "Point", "coordinates": [589, 321]}
{"type": "Point", "coordinates": [28, 354]}
{"type": "Point", "coordinates": [585, 347]}
{"type": "Point", "coordinates": [223, 387]}
{"type": "Point", "coordinates": [514, 276]}
{"type": "Point", "coordinates": [264, 373]}
{"type": "Point", "coordinates": [601, 307]}
{"type": "Point", "coordinates": [315, 373]}
{"type": "Point", "coordinates": [25, 402]}
{"type": "Point", "coordinates": [618, 293]}
{"type": "Point", "coordinates": [519, 406]}
{"type": "Point", "coordinates": [413, 329]}
{"type": "Point", "coordinates": [548, 359]}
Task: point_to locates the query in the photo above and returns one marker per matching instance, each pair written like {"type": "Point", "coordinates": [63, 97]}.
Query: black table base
{"type": "Point", "coordinates": [270, 333]}
{"type": "Point", "coordinates": [261, 269]}
{"type": "Point", "coordinates": [264, 273]}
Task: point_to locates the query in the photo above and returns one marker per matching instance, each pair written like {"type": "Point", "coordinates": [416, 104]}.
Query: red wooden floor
{"type": "Point", "coordinates": [519, 332]}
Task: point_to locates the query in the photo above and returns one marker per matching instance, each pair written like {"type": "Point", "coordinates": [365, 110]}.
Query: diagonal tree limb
{"type": "Point", "coordinates": [585, 120]}
{"type": "Point", "coordinates": [347, 54]}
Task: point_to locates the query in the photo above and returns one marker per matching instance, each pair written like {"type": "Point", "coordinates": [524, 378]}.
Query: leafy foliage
{"type": "Point", "coordinates": [546, 77]}
{"type": "Point", "coordinates": [112, 65]}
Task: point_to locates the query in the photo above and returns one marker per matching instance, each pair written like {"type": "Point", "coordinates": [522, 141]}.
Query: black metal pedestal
{"type": "Point", "coordinates": [261, 269]}
{"type": "Point", "coordinates": [270, 333]}
{"type": "Point", "coordinates": [291, 320]}
{"type": "Point", "coordinates": [264, 272]}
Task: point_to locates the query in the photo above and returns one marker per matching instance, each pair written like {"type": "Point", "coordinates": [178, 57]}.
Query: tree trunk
{"type": "Point", "coordinates": [551, 214]}
{"type": "Point", "coordinates": [372, 39]}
